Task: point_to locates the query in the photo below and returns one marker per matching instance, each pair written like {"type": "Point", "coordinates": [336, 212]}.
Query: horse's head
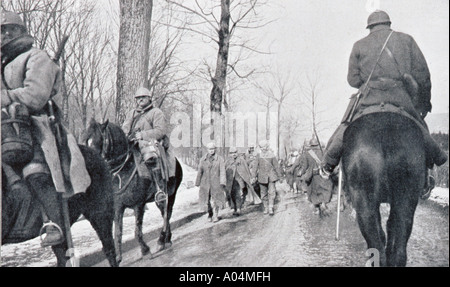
{"type": "Point", "coordinates": [93, 137]}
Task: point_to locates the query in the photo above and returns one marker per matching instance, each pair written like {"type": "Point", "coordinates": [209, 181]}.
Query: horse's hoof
{"type": "Point", "coordinates": [168, 244]}
{"type": "Point", "coordinates": [145, 251]}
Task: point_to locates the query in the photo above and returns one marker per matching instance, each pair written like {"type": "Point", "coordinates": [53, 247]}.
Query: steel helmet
{"type": "Point", "coordinates": [211, 145]}
{"type": "Point", "coordinates": [264, 144]}
{"type": "Point", "coordinates": [313, 142]}
{"type": "Point", "coordinates": [12, 18]}
{"type": "Point", "coordinates": [142, 92]}
{"type": "Point", "coordinates": [233, 150]}
{"type": "Point", "coordinates": [377, 17]}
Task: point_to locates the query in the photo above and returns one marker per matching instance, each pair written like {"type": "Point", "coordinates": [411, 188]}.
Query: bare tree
{"type": "Point", "coordinates": [277, 89]}
{"type": "Point", "coordinates": [220, 22]}
{"type": "Point", "coordinates": [310, 94]}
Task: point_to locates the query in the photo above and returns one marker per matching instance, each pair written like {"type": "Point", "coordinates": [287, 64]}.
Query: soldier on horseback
{"type": "Point", "coordinates": [389, 69]}
{"type": "Point", "coordinates": [146, 125]}
{"type": "Point", "coordinates": [30, 81]}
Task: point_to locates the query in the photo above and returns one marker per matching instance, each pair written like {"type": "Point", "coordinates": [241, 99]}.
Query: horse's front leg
{"type": "Point", "coordinates": [62, 258]}
{"type": "Point", "coordinates": [118, 227]}
{"type": "Point", "coordinates": [139, 215]}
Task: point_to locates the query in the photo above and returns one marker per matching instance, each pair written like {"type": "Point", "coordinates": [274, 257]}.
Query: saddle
{"type": "Point", "coordinates": [388, 108]}
{"type": "Point", "coordinates": [149, 153]}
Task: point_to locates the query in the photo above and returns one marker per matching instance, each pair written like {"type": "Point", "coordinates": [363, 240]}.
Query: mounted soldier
{"type": "Point", "coordinates": [391, 74]}
{"type": "Point", "coordinates": [146, 126]}
{"type": "Point", "coordinates": [31, 81]}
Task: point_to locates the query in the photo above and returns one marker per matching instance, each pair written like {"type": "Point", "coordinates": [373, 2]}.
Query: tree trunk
{"type": "Point", "coordinates": [133, 54]}
{"type": "Point", "coordinates": [219, 79]}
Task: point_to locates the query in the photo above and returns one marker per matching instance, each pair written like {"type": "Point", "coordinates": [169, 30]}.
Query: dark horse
{"type": "Point", "coordinates": [22, 219]}
{"type": "Point", "coordinates": [133, 191]}
{"type": "Point", "coordinates": [384, 162]}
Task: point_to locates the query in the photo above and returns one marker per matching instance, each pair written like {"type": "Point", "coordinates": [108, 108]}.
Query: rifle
{"type": "Point", "coordinates": [55, 122]}
{"type": "Point", "coordinates": [355, 99]}
{"type": "Point", "coordinates": [60, 49]}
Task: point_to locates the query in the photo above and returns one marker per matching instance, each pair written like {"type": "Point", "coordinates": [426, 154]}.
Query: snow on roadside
{"type": "Point", "coordinates": [440, 195]}
{"type": "Point", "coordinates": [31, 254]}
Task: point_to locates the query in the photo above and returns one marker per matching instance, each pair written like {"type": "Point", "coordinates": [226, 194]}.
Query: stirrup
{"type": "Point", "coordinates": [323, 173]}
{"type": "Point", "coordinates": [41, 232]}
{"type": "Point", "coordinates": [160, 196]}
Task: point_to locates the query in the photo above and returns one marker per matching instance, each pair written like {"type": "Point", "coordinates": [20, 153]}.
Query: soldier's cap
{"type": "Point", "coordinates": [142, 92]}
{"type": "Point", "coordinates": [377, 17]}
{"type": "Point", "coordinates": [233, 150]}
{"type": "Point", "coordinates": [211, 145]}
{"type": "Point", "coordinates": [264, 143]}
{"type": "Point", "coordinates": [12, 18]}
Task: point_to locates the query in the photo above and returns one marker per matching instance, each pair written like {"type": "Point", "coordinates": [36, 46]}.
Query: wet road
{"type": "Point", "coordinates": [293, 237]}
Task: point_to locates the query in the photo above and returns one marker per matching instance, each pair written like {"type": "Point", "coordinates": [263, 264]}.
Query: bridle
{"type": "Point", "coordinates": [116, 164]}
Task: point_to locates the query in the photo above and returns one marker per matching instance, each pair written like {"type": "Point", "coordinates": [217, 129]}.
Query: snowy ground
{"type": "Point", "coordinates": [30, 253]}
{"type": "Point", "coordinates": [440, 195]}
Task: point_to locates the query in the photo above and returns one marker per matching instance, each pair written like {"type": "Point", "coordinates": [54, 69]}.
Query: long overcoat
{"type": "Point", "coordinates": [31, 78]}
{"type": "Point", "coordinates": [153, 124]}
{"type": "Point", "coordinates": [320, 190]}
{"type": "Point", "coordinates": [267, 168]}
{"type": "Point", "coordinates": [211, 178]}
{"type": "Point", "coordinates": [386, 82]}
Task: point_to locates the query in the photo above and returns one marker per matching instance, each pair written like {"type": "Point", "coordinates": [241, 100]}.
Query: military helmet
{"type": "Point", "coordinates": [233, 150]}
{"type": "Point", "coordinates": [12, 18]}
{"type": "Point", "coordinates": [142, 92]}
{"type": "Point", "coordinates": [264, 144]}
{"type": "Point", "coordinates": [313, 142]}
{"type": "Point", "coordinates": [378, 17]}
{"type": "Point", "coordinates": [211, 145]}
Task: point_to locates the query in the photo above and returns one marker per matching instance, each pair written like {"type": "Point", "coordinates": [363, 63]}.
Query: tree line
{"type": "Point", "coordinates": [186, 53]}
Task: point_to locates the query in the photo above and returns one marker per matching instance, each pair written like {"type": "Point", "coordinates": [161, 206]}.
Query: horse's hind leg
{"type": "Point", "coordinates": [139, 215]}
{"type": "Point", "coordinates": [368, 216]}
{"type": "Point", "coordinates": [399, 227]}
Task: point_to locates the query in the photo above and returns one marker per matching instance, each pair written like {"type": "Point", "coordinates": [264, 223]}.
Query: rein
{"type": "Point", "coordinates": [116, 164]}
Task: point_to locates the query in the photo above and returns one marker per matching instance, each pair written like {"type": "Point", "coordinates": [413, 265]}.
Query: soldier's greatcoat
{"type": "Point", "coordinates": [386, 82]}
{"type": "Point", "coordinates": [211, 177]}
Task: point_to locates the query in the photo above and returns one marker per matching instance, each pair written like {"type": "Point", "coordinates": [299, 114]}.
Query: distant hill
{"type": "Point", "coordinates": [437, 122]}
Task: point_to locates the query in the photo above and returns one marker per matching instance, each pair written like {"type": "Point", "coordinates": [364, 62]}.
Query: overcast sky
{"type": "Point", "coordinates": [318, 35]}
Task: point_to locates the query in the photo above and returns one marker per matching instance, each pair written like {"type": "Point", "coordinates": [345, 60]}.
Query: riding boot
{"type": "Point", "coordinates": [42, 186]}
{"type": "Point", "coordinates": [333, 152]}
{"type": "Point", "coordinates": [430, 183]}
{"type": "Point", "coordinates": [13, 180]}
